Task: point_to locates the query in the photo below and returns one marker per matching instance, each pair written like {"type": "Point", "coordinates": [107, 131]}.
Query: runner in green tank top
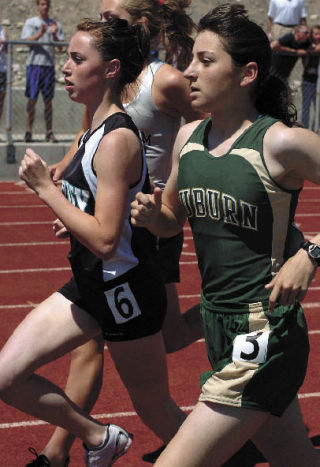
{"type": "Point", "coordinates": [236, 176]}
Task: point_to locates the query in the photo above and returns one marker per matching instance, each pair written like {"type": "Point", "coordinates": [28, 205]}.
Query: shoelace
{"type": "Point", "coordinates": [40, 460]}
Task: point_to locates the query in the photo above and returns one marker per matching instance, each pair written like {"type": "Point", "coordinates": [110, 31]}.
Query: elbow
{"type": "Point", "coordinates": [105, 250]}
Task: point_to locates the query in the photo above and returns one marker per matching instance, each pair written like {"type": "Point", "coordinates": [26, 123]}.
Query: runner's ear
{"type": "Point", "coordinates": [112, 68]}
{"type": "Point", "coordinates": [249, 74]}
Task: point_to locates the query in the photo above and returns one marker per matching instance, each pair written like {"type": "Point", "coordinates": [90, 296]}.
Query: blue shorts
{"type": "Point", "coordinates": [129, 307]}
{"type": "Point", "coordinates": [40, 78]}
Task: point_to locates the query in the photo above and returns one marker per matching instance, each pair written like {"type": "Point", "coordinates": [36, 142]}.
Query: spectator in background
{"type": "Point", "coordinates": [40, 66]}
{"type": "Point", "coordinates": [3, 66]}
{"type": "Point", "coordinates": [293, 46]}
{"type": "Point", "coordinates": [283, 15]}
{"type": "Point", "coordinates": [310, 76]}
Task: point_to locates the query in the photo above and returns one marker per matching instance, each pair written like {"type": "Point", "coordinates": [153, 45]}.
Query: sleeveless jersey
{"type": "Point", "coordinates": [158, 129]}
{"type": "Point", "coordinates": [240, 217]}
{"type": "Point", "coordinates": [79, 187]}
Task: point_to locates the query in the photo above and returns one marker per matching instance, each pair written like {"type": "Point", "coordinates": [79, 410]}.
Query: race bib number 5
{"type": "Point", "coordinates": [251, 347]}
{"type": "Point", "coordinates": [122, 303]}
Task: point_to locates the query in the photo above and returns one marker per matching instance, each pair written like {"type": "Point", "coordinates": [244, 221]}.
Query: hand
{"type": "Point", "coordinates": [34, 171]}
{"type": "Point", "coordinates": [57, 171]}
{"type": "Point", "coordinates": [43, 29]}
{"type": "Point", "coordinates": [301, 52]}
{"type": "Point", "coordinates": [59, 229]}
{"type": "Point", "coordinates": [292, 281]}
{"type": "Point", "coordinates": [146, 208]}
{"type": "Point", "coordinates": [53, 28]}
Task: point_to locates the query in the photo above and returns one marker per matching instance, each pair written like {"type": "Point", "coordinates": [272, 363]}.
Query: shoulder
{"type": "Point", "coordinates": [168, 79]}
{"type": "Point", "coordinates": [171, 93]}
{"type": "Point", "coordinates": [281, 139]}
{"type": "Point", "coordinates": [33, 19]}
{"type": "Point", "coordinates": [32, 22]}
{"type": "Point", "coordinates": [287, 38]}
{"type": "Point", "coordinates": [117, 156]}
{"type": "Point", "coordinates": [184, 134]}
{"type": "Point", "coordinates": [120, 139]}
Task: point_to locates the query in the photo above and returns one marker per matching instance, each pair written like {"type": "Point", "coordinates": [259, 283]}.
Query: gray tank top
{"type": "Point", "coordinates": [157, 128]}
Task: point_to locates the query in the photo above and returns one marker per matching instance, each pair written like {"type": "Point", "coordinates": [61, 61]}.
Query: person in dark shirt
{"type": "Point", "coordinates": [287, 49]}
{"type": "Point", "coordinates": [309, 78]}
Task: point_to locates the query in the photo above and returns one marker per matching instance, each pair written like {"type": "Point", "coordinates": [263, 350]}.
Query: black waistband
{"type": "Point", "coordinates": [287, 25]}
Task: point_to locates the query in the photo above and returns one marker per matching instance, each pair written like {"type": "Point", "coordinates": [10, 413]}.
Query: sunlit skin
{"type": "Point", "coordinates": [211, 64]}
{"type": "Point", "coordinates": [43, 8]}
{"type": "Point", "coordinates": [113, 8]}
{"type": "Point", "coordinates": [84, 70]}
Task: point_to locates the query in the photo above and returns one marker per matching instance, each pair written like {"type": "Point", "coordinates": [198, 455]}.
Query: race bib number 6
{"type": "Point", "coordinates": [251, 347]}
{"type": "Point", "coordinates": [122, 303]}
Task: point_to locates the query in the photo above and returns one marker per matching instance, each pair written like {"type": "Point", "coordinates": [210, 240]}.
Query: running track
{"type": "Point", "coordinates": [33, 264]}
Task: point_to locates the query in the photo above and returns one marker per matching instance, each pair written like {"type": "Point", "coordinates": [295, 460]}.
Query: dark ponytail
{"type": "Point", "coordinates": [114, 38]}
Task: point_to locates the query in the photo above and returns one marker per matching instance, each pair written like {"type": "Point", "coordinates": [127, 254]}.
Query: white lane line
{"type": "Point", "coordinates": [309, 200]}
{"type": "Point", "coordinates": [188, 408]}
{"type": "Point", "coordinates": [28, 305]}
{"type": "Point", "coordinates": [26, 223]}
{"type": "Point", "coordinates": [308, 395]}
{"type": "Point", "coordinates": [24, 206]}
{"type": "Point", "coordinates": [96, 416]}
{"type": "Point", "coordinates": [60, 242]}
{"type": "Point", "coordinates": [23, 271]}
{"type": "Point", "coordinates": [22, 305]}
{"type": "Point", "coordinates": [27, 192]}
{"type": "Point", "coordinates": [309, 214]}
{"type": "Point", "coordinates": [310, 305]}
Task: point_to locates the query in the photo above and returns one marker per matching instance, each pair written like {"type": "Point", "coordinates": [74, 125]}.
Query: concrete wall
{"type": "Point", "coordinates": [67, 116]}
{"type": "Point", "coordinates": [51, 153]}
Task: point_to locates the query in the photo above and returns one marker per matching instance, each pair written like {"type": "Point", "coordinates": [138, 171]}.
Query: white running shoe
{"type": "Point", "coordinates": [117, 443]}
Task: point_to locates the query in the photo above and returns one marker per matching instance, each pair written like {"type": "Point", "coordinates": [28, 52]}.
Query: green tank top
{"type": "Point", "coordinates": [239, 216]}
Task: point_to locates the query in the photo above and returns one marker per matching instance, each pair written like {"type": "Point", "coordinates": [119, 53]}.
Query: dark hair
{"type": "Point", "coordinates": [114, 38]}
{"type": "Point", "coordinates": [168, 20]}
{"type": "Point", "coordinates": [246, 42]}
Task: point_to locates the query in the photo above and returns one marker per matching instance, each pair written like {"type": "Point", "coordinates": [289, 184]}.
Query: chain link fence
{"type": "Point", "coordinates": [67, 115]}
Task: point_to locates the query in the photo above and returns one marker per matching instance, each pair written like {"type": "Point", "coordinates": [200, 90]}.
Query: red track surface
{"type": "Point", "coordinates": [33, 264]}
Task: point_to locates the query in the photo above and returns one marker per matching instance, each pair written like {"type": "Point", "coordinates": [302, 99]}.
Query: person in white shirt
{"type": "Point", "coordinates": [283, 15]}
{"type": "Point", "coordinates": [41, 65]}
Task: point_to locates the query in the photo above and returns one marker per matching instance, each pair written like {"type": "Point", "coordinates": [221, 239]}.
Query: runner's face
{"type": "Point", "coordinates": [213, 77]}
{"type": "Point", "coordinates": [84, 70]}
{"type": "Point", "coordinates": [113, 9]}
